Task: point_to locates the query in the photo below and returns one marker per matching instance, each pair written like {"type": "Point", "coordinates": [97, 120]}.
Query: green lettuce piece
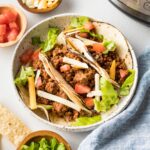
{"type": "Point", "coordinates": [109, 45]}
{"type": "Point", "coordinates": [44, 144]}
{"type": "Point", "coordinates": [97, 105]}
{"type": "Point", "coordinates": [36, 40]}
{"type": "Point", "coordinates": [93, 34]}
{"type": "Point", "coordinates": [53, 143]}
{"type": "Point", "coordinates": [109, 95]}
{"type": "Point", "coordinates": [125, 88]}
{"type": "Point", "coordinates": [22, 77]}
{"type": "Point", "coordinates": [61, 146]}
{"type": "Point", "coordinates": [32, 146]}
{"type": "Point", "coordinates": [84, 121]}
{"type": "Point", "coordinates": [50, 42]}
{"type": "Point", "coordinates": [77, 22]}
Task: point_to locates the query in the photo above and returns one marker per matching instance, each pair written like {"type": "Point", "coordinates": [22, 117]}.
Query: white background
{"type": "Point", "coordinates": [137, 33]}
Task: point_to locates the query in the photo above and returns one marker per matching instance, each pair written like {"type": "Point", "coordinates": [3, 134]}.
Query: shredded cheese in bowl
{"type": "Point", "coordinates": [39, 4]}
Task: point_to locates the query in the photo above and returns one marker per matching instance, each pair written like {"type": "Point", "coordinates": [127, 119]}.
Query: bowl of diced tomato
{"type": "Point", "coordinates": [12, 25]}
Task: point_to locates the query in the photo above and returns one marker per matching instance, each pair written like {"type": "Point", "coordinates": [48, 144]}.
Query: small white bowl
{"type": "Point", "coordinates": [41, 29]}
{"type": "Point", "coordinates": [22, 23]}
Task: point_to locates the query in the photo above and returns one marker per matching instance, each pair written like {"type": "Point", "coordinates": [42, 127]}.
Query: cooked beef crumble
{"type": "Point", "coordinates": [73, 76]}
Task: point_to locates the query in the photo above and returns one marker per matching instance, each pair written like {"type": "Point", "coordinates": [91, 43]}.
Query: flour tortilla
{"type": "Point", "coordinates": [113, 34]}
{"type": "Point", "coordinates": [12, 127]}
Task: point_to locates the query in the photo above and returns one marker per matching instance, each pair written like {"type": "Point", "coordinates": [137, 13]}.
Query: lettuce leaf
{"type": "Point", "coordinates": [77, 22]}
{"type": "Point", "coordinates": [109, 45]}
{"type": "Point", "coordinates": [97, 105]}
{"type": "Point", "coordinates": [84, 121]}
{"type": "Point", "coordinates": [23, 75]}
{"type": "Point", "coordinates": [125, 88]}
{"type": "Point", "coordinates": [53, 143]}
{"type": "Point", "coordinates": [50, 42]}
{"type": "Point", "coordinates": [93, 34]}
{"type": "Point", "coordinates": [44, 144]}
{"type": "Point", "coordinates": [109, 95]}
{"type": "Point", "coordinates": [61, 146]}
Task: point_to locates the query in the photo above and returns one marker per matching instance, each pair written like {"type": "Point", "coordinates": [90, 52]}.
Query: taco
{"type": "Point", "coordinates": [76, 74]}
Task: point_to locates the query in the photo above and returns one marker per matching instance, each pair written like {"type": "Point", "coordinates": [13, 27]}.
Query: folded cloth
{"type": "Point", "coordinates": [130, 130]}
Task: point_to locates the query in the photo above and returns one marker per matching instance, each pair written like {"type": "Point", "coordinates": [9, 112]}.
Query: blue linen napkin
{"type": "Point", "coordinates": [130, 130]}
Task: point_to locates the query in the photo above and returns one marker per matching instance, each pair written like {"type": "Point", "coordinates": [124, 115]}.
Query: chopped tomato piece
{"type": "Point", "coordinates": [26, 56]}
{"type": "Point", "coordinates": [10, 15]}
{"type": "Point", "coordinates": [13, 25]}
{"type": "Point", "coordinates": [83, 34]}
{"type": "Point", "coordinates": [98, 48]}
{"type": "Point", "coordinates": [89, 102]}
{"type": "Point", "coordinates": [123, 73]}
{"type": "Point", "coordinates": [3, 19]}
{"type": "Point", "coordinates": [12, 35]}
{"type": "Point", "coordinates": [35, 55]}
{"type": "Point", "coordinates": [2, 29]}
{"type": "Point", "coordinates": [82, 89]}
{"type": "Point", "coordinates": [39, 82]}
{"type": "Point", "coordinates": [65, 68]}
{"type": "Point", "coordinates": [2, 39]}
{"type": "Point", "coordinates": [89, 26]}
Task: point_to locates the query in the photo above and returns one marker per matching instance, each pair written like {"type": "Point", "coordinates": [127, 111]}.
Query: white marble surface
{"type": "Point", "coordinates": [137, 33]}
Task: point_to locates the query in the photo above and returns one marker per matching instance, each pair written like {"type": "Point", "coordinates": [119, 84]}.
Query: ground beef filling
{"type": "Point", "coordinates": [73, 76]}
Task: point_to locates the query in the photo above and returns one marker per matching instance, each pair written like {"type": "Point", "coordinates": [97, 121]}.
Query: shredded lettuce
{"type": "Point", "coordinates": [51, 40]}
{"type": "Point", "coordinates": [77, 22]}
{"type": "Point", "coordinates": [109, 95]}
{"type": "Point", "coordinates": [84, 121]}
{"type": "Point", "coordinates": [61, 147]}
{"type": "Point", "coordinates": [53, 143]}
{"type": "Point", "coordinates": [98, 36]}
{"type": "Point", "coordinates": [23, 75]}
{"type": "Point", "coordinates": [93, 34]}
{"type": "Point", "coordinates": [109, 45]}
{"type": "Point", "coordinates": [44, 144]}
{"type": "Point", "coordinates": [125, 88]}
{"type": "Point", "coordinates": [97, 105]}
{"type": "Point", "coordinates": [36, 40]}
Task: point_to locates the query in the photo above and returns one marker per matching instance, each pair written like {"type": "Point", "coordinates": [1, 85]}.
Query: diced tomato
{"type": "Point", "coordinates": [3, 19]}
{"type": "Point", "coordinates": [35, 55]}
{"type": "Point", "coordinates": [65, 68]}
{"type": "Point", "coordinates": [82, 89]}
{"type": "Point", "coordinates": [89, 102]}
{"type": "Point", "coordinates": [26, 56]}
{"type": "Point", "coordinates": [89, 26]}
{"type": "Point", "coordinates": [123, 73]}
{"type": "Point", "coordinates": [2, 29]}
{"type": "Point", "coordinates": [83, 34]}
{"type": "Point", "coordinates": [98, 48]}
{"type": "Point", "coordinates": [3, 39]}
{"type": "Point", "coordinates": [13, 25]}
{"type": "Point", "coordinates": [39, 82]}
{"type": "Point", "coordinates": [12, 35]}
{"type": "Point", "coordinates": [10, 15]}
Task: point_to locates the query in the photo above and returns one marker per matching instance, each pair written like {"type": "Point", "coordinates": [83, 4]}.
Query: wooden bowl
{"type": "Point", "coordinates": [36, 136]}
{"type": "Point", "coordinates": [37, 11]}
{"type": "Point", "coordinates": [22, 21]}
